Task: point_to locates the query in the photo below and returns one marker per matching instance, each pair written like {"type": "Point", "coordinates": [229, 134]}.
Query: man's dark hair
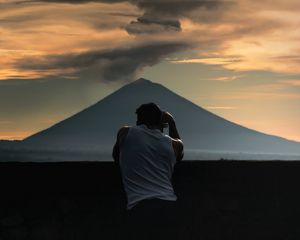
{"type": "Point", "coordinates": [149, 114]}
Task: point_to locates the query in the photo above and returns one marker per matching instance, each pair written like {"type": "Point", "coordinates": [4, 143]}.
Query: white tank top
{"type": "Point", "coordinates": [147, 161]}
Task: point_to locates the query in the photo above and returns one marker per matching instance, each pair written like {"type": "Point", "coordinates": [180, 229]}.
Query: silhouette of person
{"type": "Point", "coordinates": [146, 157]}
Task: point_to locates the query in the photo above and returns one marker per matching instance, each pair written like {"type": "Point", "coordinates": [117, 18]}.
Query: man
{"type": "Point", "coordinates": [146, 158]}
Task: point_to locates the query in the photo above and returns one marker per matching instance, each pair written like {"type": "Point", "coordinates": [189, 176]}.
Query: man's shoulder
{"type": "Point", "coordinates": [123, 130]}
{"type": "Point", "coordinates": [176, 141]}
{"type": "Point", "coordinates": [122, 133]}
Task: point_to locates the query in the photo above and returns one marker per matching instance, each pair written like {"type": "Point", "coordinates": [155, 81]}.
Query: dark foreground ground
{"type": "Point", "coordinates": [219, 200]}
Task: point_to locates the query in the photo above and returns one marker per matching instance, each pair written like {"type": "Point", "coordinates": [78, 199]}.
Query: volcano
{"type": "Point", "coordinates": [95, 128]}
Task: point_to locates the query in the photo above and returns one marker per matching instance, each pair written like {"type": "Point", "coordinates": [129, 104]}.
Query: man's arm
{"type": "Point", "coordinates": [122, 133]}
{"type": "Point", "coordinates": [178, 149]}
{"type": "Point", "coordinates": [173, 133]}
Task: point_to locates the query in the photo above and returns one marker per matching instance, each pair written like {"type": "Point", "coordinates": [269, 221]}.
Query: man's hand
{"type": "Point", "coordinates": [176, 141]}
{"type": "Point", "coordinates": [167, 118]}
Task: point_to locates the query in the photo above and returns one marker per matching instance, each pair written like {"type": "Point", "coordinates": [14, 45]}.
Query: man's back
{"type": "Point", "coordinates": [147, 160]}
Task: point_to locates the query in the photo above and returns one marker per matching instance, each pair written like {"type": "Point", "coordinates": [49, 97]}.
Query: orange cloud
{"type": "Point", "coordinates": [211, 61]}
{"type": "Point", "coordinates": [220, 107]}
{"type": "Point", "coordinates": [14, 135]}
{"type": "Point", "coordinates": [226, 78]}
{"type": "Point", "coordinates": [252, 35]}
{"type": "Point", "coordinates": [38, 30]}
{"type": "Point", "coordinates": [295, 83]}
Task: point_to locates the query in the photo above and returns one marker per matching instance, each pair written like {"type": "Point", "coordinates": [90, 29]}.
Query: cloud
{"type": "Point", "coordinates": [293, 83]}
{"type": "Point", "coordinates": [148, 25]}
{"type": "Point", "coordinates": [226, 78]}
{"type": "Point", "coordinates": [14, 135]}
{"type": "Point", "coordinates": [158, 15]}
{"type": "Point", "coordinates": [210, 61]}
{"type": "Point", "coordinates": [259, 39]}
{"type": "Point", "coordinates": [107, 65]}
{"type": "Point", "coordinates": [165, 7]}
{"type": "Point", "coordinates": [220, 108]}
{"type": "Point", "coordinates": [236, 35]}
{"type": "Point", "coordinates": [5, 122]}
{"type": "Point", "coordinates": [164, 15]}
{"type": "Point", "coordinates": [49, 31]}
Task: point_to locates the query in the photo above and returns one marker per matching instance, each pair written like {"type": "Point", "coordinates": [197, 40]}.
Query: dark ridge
{"type": "Point", "coordinates": [218, 200]}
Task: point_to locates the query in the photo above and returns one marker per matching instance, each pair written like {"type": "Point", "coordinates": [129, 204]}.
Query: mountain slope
{"type": "Point", "coordinates": [96, 126]}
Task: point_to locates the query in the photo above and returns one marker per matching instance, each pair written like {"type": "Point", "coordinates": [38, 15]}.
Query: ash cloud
{"type": "Point", "coordinates": [164, 15]}
{"type": "Point", "coordinates": [123, 63]}
{"type": "Point", "coordinates": [148, 25]}
{"type": "Point", "coordinates": [107, 65]}
{"type": "Point", "coordinates": [159, 15]}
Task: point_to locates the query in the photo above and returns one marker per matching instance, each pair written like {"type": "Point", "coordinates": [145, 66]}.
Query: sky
{"type": "Point", "coordinates": [239, 59]}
